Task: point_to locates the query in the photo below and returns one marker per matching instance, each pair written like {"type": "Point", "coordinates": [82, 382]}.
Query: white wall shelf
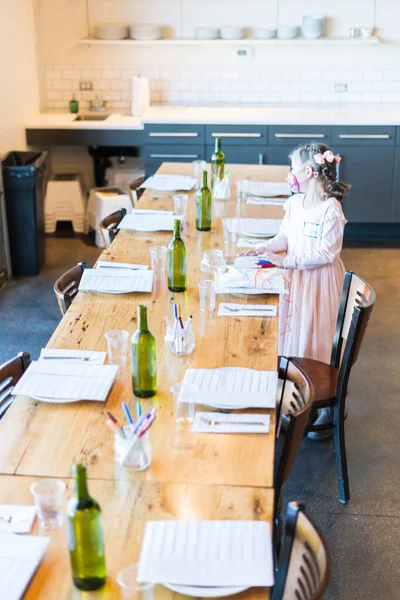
{"type": "Point", "coordinates": [343, 41]}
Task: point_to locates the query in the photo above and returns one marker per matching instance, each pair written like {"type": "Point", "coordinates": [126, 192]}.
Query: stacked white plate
{"type": "Point", "coordinates": [288, 32]}
{"type": "Point", "coordinates": [229, 32]}
{"type": "Point", "coordinates": [206, 33]}
{"type": "Point", "coordinates": [264, 33]}
{"type": "Point", "coordinates": [111, 31]}
{"type": "Point", "coordinates": [145, 32]}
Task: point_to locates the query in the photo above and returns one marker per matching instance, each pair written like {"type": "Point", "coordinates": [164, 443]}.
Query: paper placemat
{"type": "Point", "coordinates": [234, 387]}
{"type": "Point", "coordinates": [117, 281]}
{"type": "Point", "coordinates": [169, 183]}
{"type": "Point", "coordinates": [272, 201]}
{"type": "Point", "coordinates": [207, 553]}
{"type": "Point", "coordinates": [268, 188]}
{"type": "Point", "coordinates": [62, 381]}
{"type": "Point", "coordinates": [249, 243]}
{"type": "Point", "coordinates": [23, 515]}
{"type": "Point", "coordinates": [206, 422]}
{"type": "Point", "coordinates": [255, 226]}
{"type": "Point", "coordinates": [230, 309]}
{"type": "Point", "coordinates": [147, 222]}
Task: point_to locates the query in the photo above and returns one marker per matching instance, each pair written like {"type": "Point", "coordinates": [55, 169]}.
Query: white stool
{"type": "Point", "coordinates": [102, 202]}
{"type": "Point", "coordinates": [65, 201]}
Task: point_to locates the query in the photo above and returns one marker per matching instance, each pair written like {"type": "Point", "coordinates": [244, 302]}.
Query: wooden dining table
{"type": "Point", "coordinates": [192, 475]}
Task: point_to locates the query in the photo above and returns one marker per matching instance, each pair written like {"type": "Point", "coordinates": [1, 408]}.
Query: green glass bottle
{"type": "Point", "coordinates": [177, 261]}
{"type": "Point", "coordinates": [217, 162]}
{"type": "Point", "coordinates": [144, 363]}
{"type": "Point", "coordinates": [203, 205]}
{"type": "Point", "coordinates": [85, 536]}
{"type": "Point", "coordinates": [73, 105]}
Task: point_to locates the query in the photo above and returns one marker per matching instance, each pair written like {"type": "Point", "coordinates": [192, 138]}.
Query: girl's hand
{"type": "Point", "coordinates": [253, 252]}
{"type": "Point", "coordinates": [275, 259]}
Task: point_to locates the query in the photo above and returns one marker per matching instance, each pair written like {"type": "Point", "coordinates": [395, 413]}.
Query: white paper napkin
{"type": "Point", "coordinates": [264, 227]}
{"type": "Point", "coordinates": [104, 264]}
{"type": "Point", "coordinates": [245, 281]}
{"type": "Point", "coordinates": [96, 358]}
{"type": "Point", "coordinates": [24, 516]}
{"type": "Point", "coordinates": [230, 423]}
{"type": "Point", "coordinates": [150, 211]}
{"type": "Point", "coordinates": [246, 310]}
{"type": "Point", "coordinates": [207, 553]}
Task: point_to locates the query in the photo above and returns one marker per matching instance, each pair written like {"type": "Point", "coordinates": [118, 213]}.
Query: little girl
{"type": "Point", "coordinates": [311, 234]}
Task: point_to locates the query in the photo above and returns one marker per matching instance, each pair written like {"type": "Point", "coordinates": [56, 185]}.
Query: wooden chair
{"type": "Point", "coordinates": [10, 373]}
{"type": "Point", "coordinates": [66, 286]}
{"type": "Point", "coordinates": [294, 401]}
{"type": "Point", "coordinates": [109, 226]}
{"type": "Point", "coordinates": [330, 381]}
{"type": "Point", "coordinates": [304, 567]}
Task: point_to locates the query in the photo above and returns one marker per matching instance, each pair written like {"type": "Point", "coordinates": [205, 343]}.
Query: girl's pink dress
{"type": "Point", "coordinates": [312, 239]}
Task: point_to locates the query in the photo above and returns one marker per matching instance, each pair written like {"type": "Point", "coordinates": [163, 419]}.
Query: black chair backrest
{"type": "Point", "coordinates": [109, 226]}
{"type": "Point", "coordinates": [67, 286]}
{"type": "Point", "coordinates": [304, 567]}
{"type": "Point", "coordinates": [10, 373]}
{"type": "Point", "coordinates": [294, 406]}
{"type": "Point", "coordinates": [356, 293]}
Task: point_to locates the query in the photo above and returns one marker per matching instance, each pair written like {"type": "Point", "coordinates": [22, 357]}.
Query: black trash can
{"type": "Point", "coordinates": [23, 177]}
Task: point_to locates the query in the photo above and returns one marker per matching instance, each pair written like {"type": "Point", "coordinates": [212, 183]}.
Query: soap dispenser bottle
{"type": "Point", "coordinates": [73, 105]}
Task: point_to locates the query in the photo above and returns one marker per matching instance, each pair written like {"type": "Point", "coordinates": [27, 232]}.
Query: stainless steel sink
{"type": "Point", "coordinates": [91, 117]}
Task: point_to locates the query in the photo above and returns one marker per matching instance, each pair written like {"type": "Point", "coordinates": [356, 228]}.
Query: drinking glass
{"type": "Point", "coordinates": [242, 188]}
{"type": "Point", "coordinates": [117, 346]}
{"type": "Point", "coordinates": [131, 452]}
{"type": "Point", "coordinates": [131, 589]}
{"type": "Point", "coordinates": [207, 295]}
{"type": "Point", "coordinates": [180, 205]}
{"type": "Point", "coordinates": [48, 496]}
{"type": "Point", "coordinates": [158, 257]}
{"type": "Point", "coordinates": [198, 167]}
{"type": "Point", "coordinates": [212, 259]}
{"type": "Point", "coordinates": [184, 401]}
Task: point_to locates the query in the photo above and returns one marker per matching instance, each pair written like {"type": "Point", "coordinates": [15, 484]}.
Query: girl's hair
{"type": "Point", "coordinates": [327, 173]}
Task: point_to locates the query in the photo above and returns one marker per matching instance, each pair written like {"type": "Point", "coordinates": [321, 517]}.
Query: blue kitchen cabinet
{"type": "Point", "coordinates": [282, 139]}
{"type": "Point", "coordinates": [172, 143]}
{"type": "Point", "coordinates": [241, 154]}
{"type": "Point", "coordinates": [367, 164]}
{"type": "Point", "coordinates": [241, 144]}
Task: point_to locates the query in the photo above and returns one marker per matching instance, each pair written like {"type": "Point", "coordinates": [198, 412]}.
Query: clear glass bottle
{"type": "Point", "coordinates": [217, 162]}
{"type": "Point", "coordinates": [85, 536]}
{"type": "Point", "coordinates": [177, 261]}
{"type": "Point", "coordinates": [203, 205]}
{"type": "Point", "coordinates": [144, 363]}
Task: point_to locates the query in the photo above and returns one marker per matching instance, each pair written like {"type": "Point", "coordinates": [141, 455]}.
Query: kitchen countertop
{"type": "Point", "coordinates": [360, 115]}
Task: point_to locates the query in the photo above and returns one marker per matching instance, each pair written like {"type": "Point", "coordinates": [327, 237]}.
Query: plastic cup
{"type": "Point", "coordinates": [242, 188]}
{"type": "Point", "coordinates": [133, 454]}
{"type": "Point", "coordinates": [48, 497]}
{"type": "Point", "coordinates": [158, 257]}
{"type": "Point", "coordinates": [198, 167]}
{"type": "Point", "coordinates": [180, 205]}
{"type": "Point", "coordinates": [130, 588]}
{"type": "Point", "coordinates": [207, 295]}
{"type": "Point", "coordinates": [117, 346]}
{"type": "Point", "coordinates": [184, 401]}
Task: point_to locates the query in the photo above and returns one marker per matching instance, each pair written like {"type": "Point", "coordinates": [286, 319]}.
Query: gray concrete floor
{"type": "Point", "coordinates": [363, 536]}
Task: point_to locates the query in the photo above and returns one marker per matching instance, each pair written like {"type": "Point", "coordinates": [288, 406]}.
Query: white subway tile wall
{"type": "Point", "coordinates": [248, 87]}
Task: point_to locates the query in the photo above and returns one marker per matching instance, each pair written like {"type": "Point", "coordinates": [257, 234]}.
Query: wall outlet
{"type": "Point", "coordinates": [340, 87]}
{"type": "Point", "coordinates": [245, 53]}
{"type": "Point", "coordinates": [86, 86]}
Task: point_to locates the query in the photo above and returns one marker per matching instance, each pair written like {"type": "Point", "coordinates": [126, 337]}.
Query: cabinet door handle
{"type": "Point", "coordinates": [174, 135]}
{"type": "Point", "coordinates": [301, 135]}
{"type": "Point", "coordinates": [366, 136]}
{"type": "Point", "coordinates": [237, 135]}
{"type": "Point", "coordinates": [193, 156]}
{"type": "Point", "coordinates": [260, 158]}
